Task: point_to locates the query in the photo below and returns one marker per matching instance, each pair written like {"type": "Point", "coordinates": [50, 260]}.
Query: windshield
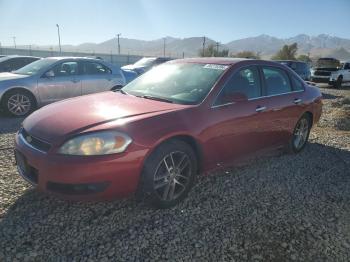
{"type": "Point", "coordinates": [177, 83]}
{"type": "Point", "coordinates": [35, 67]}
{"type": "Point", "coordinates": [328, 63]}
{"type": "Point", "coordinates": [144, 62]}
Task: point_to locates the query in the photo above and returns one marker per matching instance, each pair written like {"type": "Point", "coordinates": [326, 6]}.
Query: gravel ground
{"type": "Point", "coordinates": [276, 208]}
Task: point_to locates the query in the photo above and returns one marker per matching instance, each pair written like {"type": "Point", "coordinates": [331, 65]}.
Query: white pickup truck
{"type": "Point", "coordinates": [341, 76]}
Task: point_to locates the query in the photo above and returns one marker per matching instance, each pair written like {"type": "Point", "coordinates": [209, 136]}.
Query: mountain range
{"type": "Point", "coordinates": [265, 45]}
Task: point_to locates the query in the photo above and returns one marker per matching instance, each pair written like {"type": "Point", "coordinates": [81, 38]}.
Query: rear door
{"type": "Point", "coordinates": [65, 82]}
{"type": "Point", "coordinates": [283, 99]}
{"type": "Point", "coordinates": [96, 77]}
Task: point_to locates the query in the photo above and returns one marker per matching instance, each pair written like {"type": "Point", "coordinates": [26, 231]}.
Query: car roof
{"type": "Point", "coordinates": [72, 57]}
{"type": "Point", "coordinates": [211, 60]}
{"type": "Point", "coordinates": [20, 56]}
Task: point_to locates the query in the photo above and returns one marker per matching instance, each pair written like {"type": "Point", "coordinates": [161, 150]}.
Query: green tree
{"type": "Point", "coordinates": [246, 54]}
{"type": "Point", "coordinates": [211, 50]}
{"type": "Point", "coordinates": [304, 58]}
{"type": "Point", "coordinates": [287, 52]}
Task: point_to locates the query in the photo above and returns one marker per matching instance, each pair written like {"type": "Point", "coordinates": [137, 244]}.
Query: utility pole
{"type": "Point", "coordinates": [164, 42]}
{"type": "Point", "coordinates": [59, 38]}
{"type": "Point", "coordinates": [217, 47]}
{"type": "Point", "coordinates": [14, 42]}
{"type": "Point", "coordinates": [203, 45]}
{"type": "Point", "coordinates": [118, 35]}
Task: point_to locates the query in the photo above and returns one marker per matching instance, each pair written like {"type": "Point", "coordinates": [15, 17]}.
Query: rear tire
{"type": "Point", "coordinates": [168, 174]}
{"type": "Point", "coordinates": [18, 103]}
{"type": "Point", "coordinates": [300, 135]}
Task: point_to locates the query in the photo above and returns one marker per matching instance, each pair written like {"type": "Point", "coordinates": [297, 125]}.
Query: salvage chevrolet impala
{"type": "Point", "coordinates": [155, 135]}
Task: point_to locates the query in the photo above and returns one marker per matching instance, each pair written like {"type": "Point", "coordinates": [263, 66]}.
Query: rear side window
{"type": "Point", "coordinates": [245, 81]}
{"type": "Point", "coordinates": [297, 84]}
{"type": "Point", "coordinates": [93, 68]}
{"type": "Point", "coordinates": [276, 80]}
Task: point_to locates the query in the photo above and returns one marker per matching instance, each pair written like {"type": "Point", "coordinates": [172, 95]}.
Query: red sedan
{"type": "Point", "coordinates": [154, 136]}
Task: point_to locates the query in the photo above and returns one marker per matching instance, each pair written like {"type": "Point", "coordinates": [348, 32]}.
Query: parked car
{"type": "Point", "coordinates": [153, 137]}
{"type": "Point", "coordinates": [323, 69]}
{"type": "Point", "coordinates": [14, 62]}
{"type": "Point", "coordinates": [340, 76]}
{"type": "Point", "coordinates": [52, 79]}
{"type": "Point", "coordinates": [301, 68]}
{"type": "Point", "coordinates": [145, 64]}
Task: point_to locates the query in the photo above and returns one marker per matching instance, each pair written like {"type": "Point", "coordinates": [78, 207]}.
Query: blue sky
{"type": "Point", "coordinates": [34, 21]}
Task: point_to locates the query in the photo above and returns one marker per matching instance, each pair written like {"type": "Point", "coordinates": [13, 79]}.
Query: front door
{"type": "Point", "coordinates": [61, 82]}
{"type": "Point", "coordinates": [235, 127]}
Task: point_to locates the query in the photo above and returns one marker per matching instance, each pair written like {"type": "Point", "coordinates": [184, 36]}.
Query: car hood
{"type": "Point", "coordinates": [55, 122]}
{"type": "Point", "coordinates": [133, 67]}
{"type": "Point", "coordinates": [11, 76]}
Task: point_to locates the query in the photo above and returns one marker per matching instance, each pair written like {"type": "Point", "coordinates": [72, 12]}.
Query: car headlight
{"type": "Point", "coordinates": [99, 143]}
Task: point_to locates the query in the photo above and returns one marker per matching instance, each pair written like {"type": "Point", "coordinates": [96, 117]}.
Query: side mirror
{"type": "Point", "coordinates": [49, 74]}
{"type": "Point", "coordinates": [235, 97]}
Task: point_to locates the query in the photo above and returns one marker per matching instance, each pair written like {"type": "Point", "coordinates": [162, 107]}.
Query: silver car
{"type": "Point", "coordinates": [52, 79]}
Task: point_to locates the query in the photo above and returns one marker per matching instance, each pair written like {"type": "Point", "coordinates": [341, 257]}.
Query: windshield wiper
{"type": "Point", "coordinates": [121, 91]}
{"type": "Point", "coordinates": [157, 98]}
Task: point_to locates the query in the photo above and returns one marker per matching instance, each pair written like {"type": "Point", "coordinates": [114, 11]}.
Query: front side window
{"type": "Point", "coordinates": [186, 83]}
{"type": "Point", "coordinates": [93, 68]}
{"type": "Point", "coordinates": [245, 81]}
{"type": "Point", "coordinates": [276, 80]}
{"type": "Point", "coordinates": [66, 69]}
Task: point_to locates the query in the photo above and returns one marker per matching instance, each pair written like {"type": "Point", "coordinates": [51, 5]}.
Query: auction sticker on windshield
{"type": "Point", "coordinates": [215, 66]}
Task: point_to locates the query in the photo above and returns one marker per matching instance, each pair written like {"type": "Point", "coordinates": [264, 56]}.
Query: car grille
{"type": "Point", "coordinates": [35, 142]}
{"type": "Point", "coordinates": [322, 73]}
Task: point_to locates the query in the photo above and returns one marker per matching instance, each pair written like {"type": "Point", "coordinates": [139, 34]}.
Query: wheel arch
{"type": "Point", "coordinates": [310, 115]}
{"type": "Point", "coordinates": [189, 140]}
{"type": "Point", "coordinates": [23, 89]}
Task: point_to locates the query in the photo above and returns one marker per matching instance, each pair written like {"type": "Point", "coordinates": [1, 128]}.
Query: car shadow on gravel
{"type": "Point", "coordinates": [9, 124]}
{"type": "Point", "coordinates": [286, 207]}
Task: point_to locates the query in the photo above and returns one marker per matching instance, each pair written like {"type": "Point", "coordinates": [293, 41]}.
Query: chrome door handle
{"type": "Point", "coordinates": [297, 101]}
{"type": "Point", "coordinates": [260, 108]}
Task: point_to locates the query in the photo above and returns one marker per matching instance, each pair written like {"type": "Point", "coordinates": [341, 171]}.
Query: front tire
{"type": "Point", "coordinates": [339, 82]}
{"type": "Point", "coordinates": [18, 103]}
{"type": "Point", "coordinates": [168, 174]}
{"type": "Point", "coordinates": [300, 134]}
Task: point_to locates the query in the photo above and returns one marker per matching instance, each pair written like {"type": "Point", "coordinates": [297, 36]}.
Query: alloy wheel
{"type": "Point", "coordinates": [301, 133]}
{"type": "Point", "coordinates": [19, 104]}
{"type": "Point", "coordinates": [172, 175]}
